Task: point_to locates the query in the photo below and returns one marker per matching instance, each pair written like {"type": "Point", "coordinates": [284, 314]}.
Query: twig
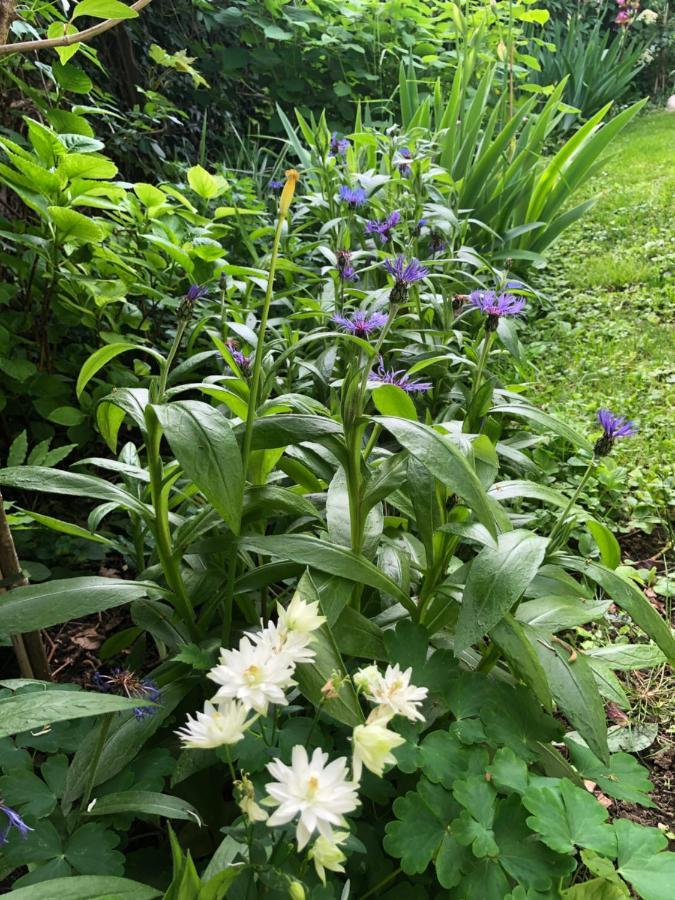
{"type": "Point", "coordinates": [66, 40]}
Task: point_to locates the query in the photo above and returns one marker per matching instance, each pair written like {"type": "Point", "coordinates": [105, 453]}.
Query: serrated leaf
{"type": "Point", "coordinates": [423, 817]}
{"type": "Point", "coordinates": [568, 818]}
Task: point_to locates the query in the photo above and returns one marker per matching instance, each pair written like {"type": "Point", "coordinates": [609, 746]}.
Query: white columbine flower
{"type": "Point", "coordinates": [372, 745]}
{"type": "Point", "coordinates": [278, 640]}
{"type": "Point", "coordinates": [224, 724]}
{"type": "Point", "coordinates": [316, 790]}
{"type": "Point", "coordinates": [253, 675]}
{"type": "Point", "coordinates": [367, 679]}
{"type": "Point", "coordinates": [394, 693]}
{"type": "Point", "coordinates": [299, 616]}
{"type": "Point", "coordinates": [326, 854]}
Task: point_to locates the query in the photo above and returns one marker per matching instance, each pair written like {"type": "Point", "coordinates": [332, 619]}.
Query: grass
{"type": "Point", "coordinates": [607, 337]}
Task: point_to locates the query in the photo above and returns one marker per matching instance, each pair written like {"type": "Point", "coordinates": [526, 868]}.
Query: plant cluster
{"type": "Point", "coordinates": [333, 434]}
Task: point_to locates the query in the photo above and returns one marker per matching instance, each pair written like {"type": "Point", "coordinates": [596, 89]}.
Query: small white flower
{"type": "Point", "coordinates": [215, 726]}
{"type": "Point", "coordinates": [367, 679]}
{"type": "Point", "coordinates": [372, 745]}
{"type": "Point", "coordinates": [254, 675]}
{"type": "Point", "coordinates": [299, 616]}
{"type": "Point", "coordinates": [326, 854]}
{"type": "Point", "coordinates": [246, 801]}
{"type": "Point", "coordinates": [649, 16]}
{"type": "Point", "coordinates": [316, 790]}
{"type": "Point", "coordinates": [396, 695]}
{"type": "Point", "coordinates": [293, 645]}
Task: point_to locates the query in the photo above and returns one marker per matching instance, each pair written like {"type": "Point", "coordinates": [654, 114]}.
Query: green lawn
{"type": "Point", "coordinates": [608, 338]}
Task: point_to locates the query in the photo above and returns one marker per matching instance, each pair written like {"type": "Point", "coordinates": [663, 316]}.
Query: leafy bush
{"type": "Point", "coordinates": [332, 459]}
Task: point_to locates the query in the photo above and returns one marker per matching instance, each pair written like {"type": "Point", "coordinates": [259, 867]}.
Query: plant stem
{"type": "Point", "coordinates": [254, 387]}
{"type": "Point", "coordinates": [93, 766]}
{"type": "Point", "coordinates": [159, 494]}
{"type": "Point", "coordinates": [180, 330]}
{"type": "Point", "coordinates": [555, 531]}
{"type": "Point", "coordinates": [482, 360]}
{"type": "Point", "coordinates": [380, 884]}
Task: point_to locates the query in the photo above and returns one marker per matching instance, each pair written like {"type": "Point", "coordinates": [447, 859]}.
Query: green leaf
{"type": "Point", "coordinates": [641, 862]}
{"type": "Point", "coordinates": [204, 184]}
{"type": "Point", "coordinates": [38, 606]}
{"type": "Point", "coordinates": [444, 759]}
{"type": "Point", "coordinates": [89, 887]}
{"type": "Point", "coordinates": [28, 793]}
{"type": "Point", "coordinates": [391, 400]}
{"type": "Point", "coordinates": [102, 357]}
{"type": "Point", "coordinates": [496, 580]}
{"type": "Point", "coordinates": [626, 595]}
{"type": "Point", "coordinates": [624, 778]}
{"type": "Point", "coordinates": [445, 460]}
{"type": "Point", "coordinates": [508, 771]}
{"type": "Point", "coordinates": [103, 9]}
{"type": "Point", "coordinates": [74, 79]}
{"type": "Point", "coordinates": [356, 635]}
{"type": "Point", "coordinates": [204, 444]}
{"type": "Point", "coordinates": [67, 416]}
{"type": "Point", "coordinates": [18, 450]}
{"type": "Point", "coordinates": [144, 803]}
{"type": "Point", "coordinates": [574, 689]}
{"type": "Point", "coordinates": [546, 421]}
{"type": "Point", "coordinates": [87, 165]}
{"type": "Point", "coordinates": [73, 226]}
{"type": "Point", "coordinates": [509, 635]}
{"type": "Point", "coordinates": [568, 818]}
{"type": "Point", "coordinates": [424, 816]}
{"type": "Point", "coordinates": [91, 850]}
{"type": "Point", "coordinates": [327, 557]}
{"type": "Point", "coordinates": [27, 711]}
{"type": "Point", "coordinates": [66, 527]}
{"type": "Point", "coordinates": [610, 551]}
{"type": "Point", "coordinates": [596, 889]}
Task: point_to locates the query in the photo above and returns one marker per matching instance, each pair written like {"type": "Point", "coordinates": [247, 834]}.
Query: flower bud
{"type": "Point", "coordinates": [296, 891]}
{"type": "Point", "coordinates": [292, 178]}
{"type": "Point", "coordinates": [372, 744]}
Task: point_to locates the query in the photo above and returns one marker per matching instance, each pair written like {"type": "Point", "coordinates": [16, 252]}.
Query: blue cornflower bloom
{"type": "Point", "coordinates": [404, 274]}
{"type": "Point", "coordinates": [275, 185]}
{"type": "Point", "coordinates": [346, 271]}
{"type": "Point", "coordinates": [495, 306]}
{"type": "Point", "coordinates": [613, 427]}
{"type": "Point", "coordinates": [338, 146]}
{"type": "Point", "coordinates": [361, 323]}
{"type": "Point", "coordinates": [353, 197]}
{"type": "Point", "coordinates": [420, 225]}
{"type": "Point", "coordinates": [403, 164]}
{"type": "Point", "coordinates": [196, 292]}
{"type": "Point", "coordinates": [399, 378]}
{"type": "Point", "coordinates": [122, 681]}
{"type": "Point", "coordinates": [243, 361]}
{"type": "Point", "coordinates": [14, 820]}
{"type": "Point", "coordinates": [384, 228]}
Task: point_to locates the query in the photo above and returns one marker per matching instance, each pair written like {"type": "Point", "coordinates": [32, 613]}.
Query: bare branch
{"type": "Point", "coordinates": [67, 40]}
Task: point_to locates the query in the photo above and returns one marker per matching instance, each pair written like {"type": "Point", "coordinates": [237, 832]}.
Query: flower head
{"type": "Point", "coordinates": [398, 378]}
{"type": "Point", "coordinates": [253, 674]}
{"type": "Point", "coordinates": [317, 791]}
{"type": "Point", "coordinates": [293, 646]}
{"type": "Point", "coordinates": [216, 726]}
{"type": "Point", "coordinates": [353, 197]}
{"type": "Point", "coordinates": [346, 270]}
{"type": "Point", "coordinates": [404, 274]}
{"type": "Point", "coordinates": [361, 323]}
{"type": "Point", "coordinates": [613, 427]}
{"type": "Point", "coordinates": [326, 854]}
{"type": "Point", "coordinates": [383, 228]}
{"type": "Point", "coordinates": [437, 242]}
{"type": "Point", "coordinates": [243, 361]}
{"type": "Point", "coordinates": [122, 681]}
{"type": "Point", "coordinates": [274, 184]}
{"type": "Point", "coordinates": [288, 192]}
{"type": "Point", "coordinates": [372, 744]}
{"type": "Point", "coordinates": [196, 292]}
{"type": "Point", "coordinates": [300, 617]}
{"type": "Point", "coordinates": [338, 146]}
{"type": "Point", "coordinates": [393, 693]}
{"type": "Point", "coordinates": [493, 304]}
{"type": "Point", "coordinates": [14, 820]}
{"type": "Point", "coordinates": [403, 162]}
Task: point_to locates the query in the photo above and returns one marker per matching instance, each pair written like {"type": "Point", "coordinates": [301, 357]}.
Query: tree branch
{"type": "Point", "coordinates": [68, 40]}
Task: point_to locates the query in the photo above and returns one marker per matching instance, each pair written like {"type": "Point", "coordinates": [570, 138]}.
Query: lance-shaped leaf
{"type": "Point", "coordinates": [444, 460]}
{"type": "Point", "coordinates": [54, 481]}
{"type": "Point", "coordinates": [84, 887]}
{"type": "Point", "coordinates": [144, 803]}
{"type": "Point", "coordinates": [497, 578]}
{"type": "Point", "coordinates": [204, 444]}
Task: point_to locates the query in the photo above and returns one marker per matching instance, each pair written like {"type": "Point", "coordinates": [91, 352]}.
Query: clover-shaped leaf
{"type": "Point", "coordinates": [568, 818]}
{"type": "Point", "coordinates": [423, 817]}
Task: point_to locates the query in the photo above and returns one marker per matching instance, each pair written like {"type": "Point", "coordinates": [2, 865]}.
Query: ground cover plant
{"type": "Point", "coordinates": [330, 570]}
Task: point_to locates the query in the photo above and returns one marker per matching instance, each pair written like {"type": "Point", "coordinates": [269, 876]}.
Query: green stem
{"type": "Point", "coordinates": [254, 387]}
{"type": "Point", "coordinates": [229, 596]}
{"type": "Point", "coordinates": [380, 884]}
{"type": "Point", "coordinates": [170, 566]}
{"type": "Point", "coordinates": [489, 659]}
{"type": "Point", "coordinates": [180, 330]}
{"type": "Point", "coordinates": [233, 774]}
{"type": "Point", "coordinates": [480, 368]}
{"type": "Point", "coordinates": [93, 766]}
{"type": "Point", "coordinates": [557, 528]}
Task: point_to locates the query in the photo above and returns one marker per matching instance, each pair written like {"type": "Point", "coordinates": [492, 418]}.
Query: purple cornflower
{"type": "Point", "coordinates": [399, 378]}
{"type": "Point", "coordinates": [122, 681]}
{"type": "Point", "coordinates": [14, 820]}
{"type": "Point", "coordinates": [361, 323]}
{"type": "Point", "coordinates": [353, 197]}
{"type": "Point", "coordinates": [420, 225]}
{"type": "Point", "coordinates": [404, 166]}
{"type": "Point", "coordinates": [346, 271]}
{"type": "Point", "coordinates": [404, 274]}
{"type": "Point", "coordinates": [275, 185]}
{"type": "Point", "coordinates": [384, 228]}
{"type": "Point", "coordinates": [338, 146]}
{"type": "Point", "coordinates": [196, 292]}
{"type": "Point", "coordinates": [243, 361]}
{"type": "Point", "coordinates": [614, 427]}
{"type": "Point", "coordinates": [495, 306]}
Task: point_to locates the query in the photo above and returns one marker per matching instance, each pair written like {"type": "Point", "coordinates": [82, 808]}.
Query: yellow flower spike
{"type": "Point", "coordinates": [292, 178]}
